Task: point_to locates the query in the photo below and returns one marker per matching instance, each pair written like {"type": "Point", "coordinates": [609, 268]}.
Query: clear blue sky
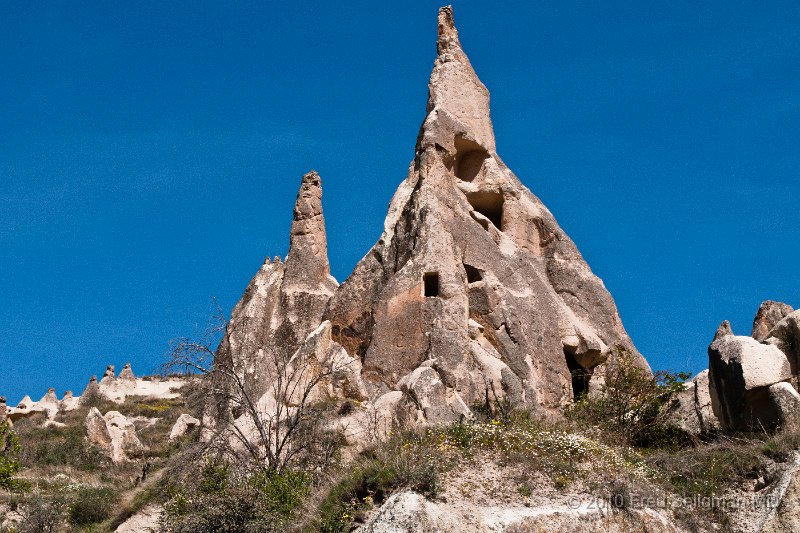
{"type": "Point", "coordinates": [150, 153]}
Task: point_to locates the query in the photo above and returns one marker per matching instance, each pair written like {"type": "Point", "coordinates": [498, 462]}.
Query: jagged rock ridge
{"type": "Point", "coordinates": [473, 292]}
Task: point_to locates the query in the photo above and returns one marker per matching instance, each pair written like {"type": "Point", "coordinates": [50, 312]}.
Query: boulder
{"type": "Point", "coordinates": [97, 431]}
{"type": "Point", "coordinates": [741, 370]}
{"type": "Point", "coordinates": [3, 409]}
{"type": "Point", "coordinates": [768, 315]}
{"type": "Point", "coordinates": [693, 408]}
{"type": "Point", "coordinates": [785, 335]}
{"type": "Point", "coordinates": [183, 425]}
{"type": "Point", "coordinates": [784, 401]}
{"type": "Point", "coordinates": [113, 434]}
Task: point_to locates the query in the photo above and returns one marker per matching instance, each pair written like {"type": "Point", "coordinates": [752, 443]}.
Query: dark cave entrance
{"type": "Point", "coordinates": [580, 377]}
{"type": "Point", "coordinates": [430, 283]}
{"type": "Point", "coordinates": [488, 204]}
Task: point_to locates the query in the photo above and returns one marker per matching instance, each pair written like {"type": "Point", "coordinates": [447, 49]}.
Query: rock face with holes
{"type": "Point", "coordinates": [472, 276]}
{"type": "Point", "coordinates": [472, 294]}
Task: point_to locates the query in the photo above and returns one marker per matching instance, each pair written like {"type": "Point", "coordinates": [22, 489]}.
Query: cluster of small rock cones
{"type": "Point", "coordinates": [472, 293]}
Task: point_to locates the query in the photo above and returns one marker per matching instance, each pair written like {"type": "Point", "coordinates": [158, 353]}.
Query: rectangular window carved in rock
{"type": "Point", "coordinates": [430, 282]}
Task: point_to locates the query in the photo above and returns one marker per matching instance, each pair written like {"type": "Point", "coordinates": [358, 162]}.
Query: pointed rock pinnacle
{"type": "Point", "coordinates": [307, 263]}
{"type": "Point", "coordinates": [458, 103]}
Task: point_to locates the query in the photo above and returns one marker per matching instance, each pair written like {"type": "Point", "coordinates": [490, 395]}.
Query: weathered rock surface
{"type": "Point", "coordinates": [768, 315]}
{"type": "Point", "coordinates": [411, 512]}
{"type": "Point", "coordinates": [693, 409]}
{"type": "Point", "coordinates": [49, 403]}
{"type": "Point", "coordinates": [113, 434]}
{"type": "Point", "coordinates": [465, 240]}
{"type": "Point", "coordinates": [283, 303]}
{"type": "Point", "coordinates": [3, 409]}
{"type": "Point", "coordinates": [742, 370]}
{"type": "Point", "coordinates": [472, 294]}
{"type": "Point", "coordinates": [183, 425]}
{"type": "Point", "coordinates": [785, 335]}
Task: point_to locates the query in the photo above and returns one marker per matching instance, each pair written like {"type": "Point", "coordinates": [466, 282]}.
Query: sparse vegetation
{"type": "Point", "coordinates": [630, 405]}
{"type": "Point", "coordinates": [616, 443]}
{"type": "Point", "coordinates": [9, 462]}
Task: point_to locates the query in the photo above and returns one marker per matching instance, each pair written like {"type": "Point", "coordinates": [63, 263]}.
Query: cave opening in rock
{"type": "Point", "coordinates": [488, 204]}
{"type": "Point", "coordinates": [580, 376]}
{"type": "Point", "coordinates": [470, 164]}
{"type": "Point", "coordinates": [430, 283]}
{"type": "Point", "coordinates": [473, 274]}
{"type": "Point", "coordinates": [469, 159]}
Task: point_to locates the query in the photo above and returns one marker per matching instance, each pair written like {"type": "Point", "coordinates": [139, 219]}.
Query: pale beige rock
{"type": "Point", "coordinates": [25, 403]}
{"type": "Point", "coordinates": [118, 388]}
{"type": "Point", "coordinates": [411, 512]}
{"type": "Point", "coordinates": [91, 391]}
{"type": "Point", "coordinates": [785, 335]}
{"type": "Point", "coordinates": [69, 402]}
{"type": "Point", "coordinates": [693, 408]}
{"type": "Point", "coordinates": [472, 295]}
{"type": "Point", "coordinates": [741, 371]}
{"type": "Point", "coordinates": [465, 240]}
{"type": "Point", "coordinates": [97, 430]}
{"type": "Point", "coordinates": [49, 403]}
{"type": "Point", "coordinates": [785, 401]}
{"type": "Point", "coordinates": [127, 373]}
{"type": "Point", "coordinates": [282, 304]}
{"type": "Point", "coordinates": [437, 404]}
{"type": "Point", "coordinates": [124, 440]}
{"type": "Point", "coordinates": [184, 424]}
{"type": "Point", "coordinates": [113, 434]}
{"type": "Point", "coordinates": [768, 315]}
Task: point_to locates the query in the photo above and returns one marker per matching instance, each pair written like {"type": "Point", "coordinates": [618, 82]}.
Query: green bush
{"type": "Point", "coordinates": [631, 405]}
{"type": "Point", "coordinates": [91, 505]}
{"type": "Point", "coordinates": [221, 498]}
{"type": "Point", "coordinates": [43, 514]}
{"type": "Point", "coordinates": [280, 494]}
{"type": "Point", "coordinates": [9, 462]}
{"type": "Point", "coordinates": [711, 469]}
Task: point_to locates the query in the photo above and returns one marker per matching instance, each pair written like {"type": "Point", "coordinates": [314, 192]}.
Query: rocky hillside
{"type": "Point", "coordinates": [472, 374]}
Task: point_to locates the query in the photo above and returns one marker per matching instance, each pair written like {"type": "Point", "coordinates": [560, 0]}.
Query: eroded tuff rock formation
{"type": "Point", "coordinates": [472, 293]}
{"type": "Point", "coordinates": [751, 381]}
{"type": "Point", "coordinates": [284, 302]}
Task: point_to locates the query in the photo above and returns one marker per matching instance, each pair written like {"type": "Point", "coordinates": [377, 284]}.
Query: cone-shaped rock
{"type": "Point", "coordinates": [284, 302]}
{"type": "Point", "coordinates": [472, 275]}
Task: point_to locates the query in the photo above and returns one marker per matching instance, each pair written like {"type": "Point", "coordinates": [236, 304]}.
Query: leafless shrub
{"type": "Point", "coordinates": [275, 429]}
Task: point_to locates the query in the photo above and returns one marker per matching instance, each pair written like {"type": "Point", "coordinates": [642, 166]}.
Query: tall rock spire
{"type": "Point", "coordinates": [307, 264]}
{"type": "Point", "coordinates": [284, 302]}
{"type": "Point", "coordinates": [472, 276]}
{"type": "Point", "coordinates": [458, 103]}
{"type": "Point", "coordinates": [472, 293]}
